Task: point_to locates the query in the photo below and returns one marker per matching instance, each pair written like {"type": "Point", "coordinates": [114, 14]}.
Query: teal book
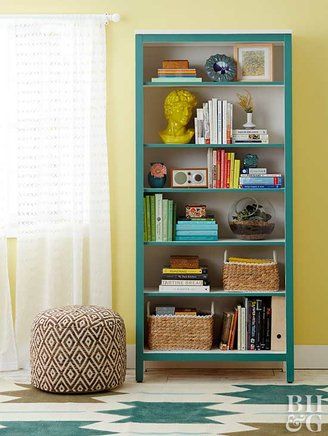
{"type": "Point", "coordinates": [196, 238]}
{"type": "Point", "coordinates": [148, 218]}
{"type": "Point", "coordinates": [153, 217]}
{"type": "Point", "coordinates": [145, 219]}
{"type": "Point", "coordinates": [170, 220]}
{"type": "Point", "coordinates": [196, 227]}
{"type": "Point", "coordinates": [196, 232]}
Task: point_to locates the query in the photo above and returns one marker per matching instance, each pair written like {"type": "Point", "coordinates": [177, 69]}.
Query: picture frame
{"type": "Point", "coordinates": [254, 62]}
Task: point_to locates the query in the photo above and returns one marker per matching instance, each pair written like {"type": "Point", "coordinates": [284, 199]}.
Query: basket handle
{"type": "Point", "coordinates": [225, 256]}
{"type": "Point", "coordinates": [212, 308]}
{"type": "Point", "coordinates": [274, 256]}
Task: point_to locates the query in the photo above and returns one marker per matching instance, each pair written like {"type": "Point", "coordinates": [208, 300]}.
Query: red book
{"type": "Point", "coordinates": [218, 168]}
{"type": "Point", "coordinates": [222, 169]}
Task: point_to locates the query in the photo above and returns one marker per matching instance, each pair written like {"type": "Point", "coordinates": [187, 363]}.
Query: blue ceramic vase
{"type": "Point", "coordinates": [156, 182]}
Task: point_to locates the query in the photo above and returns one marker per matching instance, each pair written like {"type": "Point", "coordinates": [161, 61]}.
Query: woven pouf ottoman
{"type": "Point", "coordinates": [78, 349]}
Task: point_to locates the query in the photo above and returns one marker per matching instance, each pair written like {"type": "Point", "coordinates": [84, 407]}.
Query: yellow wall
{"type": "Point", "coordinates": [308, 20]}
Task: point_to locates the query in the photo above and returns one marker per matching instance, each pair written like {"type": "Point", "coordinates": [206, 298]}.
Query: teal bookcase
{"type": "Point", "coordinates": [273, 110]}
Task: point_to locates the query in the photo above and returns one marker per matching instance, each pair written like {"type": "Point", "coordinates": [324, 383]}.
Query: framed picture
{"type": "Point", "coordinates": [254, 62]}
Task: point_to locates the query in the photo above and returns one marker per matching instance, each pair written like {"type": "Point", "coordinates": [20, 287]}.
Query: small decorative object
{"type": "Point", "coordinates": [254, 62]}
{"type": "Point", "coordinates": [250, 220]}
{"type": "Point", "coordinates": [195, 211]}
{"type": "Point", "coordinates": [175, 64]}
{"type": "Point", "coordinates": [157, 175]}
{"type": "Point", "coordinates": [189, 178]}
{"type": "Point", "coordinates": [246, 103]}
{"type": "Point", "coordinates": [220, 68]}
{"type": "Point", "coordinates": [250, 160]}
{"type": "Point", "coordinates": [184, 261]}
{"type": "Point", "coordinates": [178, 109]}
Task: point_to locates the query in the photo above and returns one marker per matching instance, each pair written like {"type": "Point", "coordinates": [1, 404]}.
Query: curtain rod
{"type": "Point", "coordinates": [114, 18]}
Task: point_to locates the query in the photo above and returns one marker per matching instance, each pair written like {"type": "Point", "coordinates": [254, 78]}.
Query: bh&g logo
{"type": "Point", "coordinates": [300, 414]}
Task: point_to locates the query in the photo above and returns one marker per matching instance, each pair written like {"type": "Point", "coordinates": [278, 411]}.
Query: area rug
{"type": "Point", "coordinates": [164, 409]}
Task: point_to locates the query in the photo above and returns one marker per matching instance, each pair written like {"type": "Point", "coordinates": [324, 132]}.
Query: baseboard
{"type": "Point", "coordinates": [306, 357]}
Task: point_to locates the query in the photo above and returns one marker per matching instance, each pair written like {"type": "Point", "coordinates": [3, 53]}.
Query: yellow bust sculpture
{"type": "Point", "coordinates": [178, 108]}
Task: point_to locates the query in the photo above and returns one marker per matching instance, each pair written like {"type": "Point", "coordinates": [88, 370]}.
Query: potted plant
{"type": "Point", "coordinates": [246, 103]}
{"type": "Point", "coordinates": [250, 220]}
{"type": "Point", "coordinates": [157, 175]}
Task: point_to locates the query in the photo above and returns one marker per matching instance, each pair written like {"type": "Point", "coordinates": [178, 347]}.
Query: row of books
{"type": "Point", "coordinates": [197, 229]}
{"type": "Point", "coordinates": [184, 275]}
{"type": "Point", "coordinates": [159, 218]}
{"type": "Point", "coordinates": [248, 327]}
{"type": "Point", "coordinates": [213, 123]}
{"type": "Point", "coordinates": [261, 181]}
{"type": "Point", "coordinates": [250, 136]}
{"type": "Point", "coordinates": [223, 169]}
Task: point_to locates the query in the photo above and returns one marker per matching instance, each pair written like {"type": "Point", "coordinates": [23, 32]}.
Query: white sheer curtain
{"type": "Point", "coordinates": [58, 69]}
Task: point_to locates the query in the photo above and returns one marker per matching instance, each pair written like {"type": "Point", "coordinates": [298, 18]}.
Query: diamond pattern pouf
{"type": "Point", "coordinates": [78, 349]}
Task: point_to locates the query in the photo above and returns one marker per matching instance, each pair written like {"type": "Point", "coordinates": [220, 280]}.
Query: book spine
{"type": "Point", "coordinates": [260, 186]}
{"type": "Point", "coordinates": [215, 120]}
{"type": "Point", "coordinates": [200, 277]}
{"type": "Point", "coordinates": [174, 217]}
{"type": "Point", "coordinates": [237, 172]}
{"type": "Point", "coordinates": [222, 154]}
{"type": "Point", "coordinates": [219, 122]}
{"type": "Point", "coordinates": [214, 168]}
{"type": "Point", "coordinates": [145, 219]}
{"type": "Point", "coordinates": [231, 125]}
{"type": "Point", "coordinates": [249, 131]}
{"type": "Point", "coordinates": [210, 113]}
{"type": "Point", "coordinates": [170, 221]}
{"type": "Point", "coordinates": [224, 121]}
{"type": "Point", "coordinates": [239, 328]}
{"type": "Point", "coordinates": [232, 169]}
{"type": "Point", "coordinates": [243, 329]}
{"type": "Point", "coordinates": [228, 123]}
{"type": "Point", "coordinates": [258, 325]}
{"type": "Point", "coordinates": [260, 180]}
{"type": "Point", "coordinates": [226, 323]}
{"type": "Point", "coordinates": [184, 270]}
{"type": "Point", "coordinates": [196, 130]}
{"type": "Point", "coordinates": [255, 141]}
{"type": "Point", "coordinates": [252, 325]}
{"type": "Point", "coordinates": [263, 325]}
{"type": "Point", "coordinates": [196, 238]}
{"type": "Point", "coordinates": [206, 124]}
{"type": "Point", "coordinates": [247, 323]}
{"type": "Point", "coordinates": [196, 232]}
{"type": "Point", "coordinates": [164, 221]}
{"type": "Point", "coordinates": [165, 282]}
{"type": "Point", "coordinates": [228, 169]}
{"type": "Point", "coordinates": [162, 288]}
{"type": "Point", "coordinates": [254, 171]}
{"type": "Point", "coordinates": [268, 329]}
{"type": "Point", "coordinates": [218, 168]}
{"type": "Point", "coordinates": [233, 336]}
{"type": "Point", "coordinates": [153, 218]}
{"type": "Point", "coordinates": [250, 137]}
{"type": "Point", "coordinates": [230, 331]}
{"type": "Point", "coordinates": [148, 218]}
{"type": "Point", "coordinates": [158, 207]}
{"type": "Point", "coordinates": [209, 167]}
{"type": "Point", "coordinates": [197, 227]}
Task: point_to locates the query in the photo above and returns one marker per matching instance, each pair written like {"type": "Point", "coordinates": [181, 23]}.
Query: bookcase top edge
{"type": "Point", "coordinates": [213, 32]}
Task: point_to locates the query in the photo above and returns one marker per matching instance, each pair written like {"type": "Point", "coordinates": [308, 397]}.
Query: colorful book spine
{"type": "Point", "coordinates": [153, 217]}
{"type": "Point", "coordinates": [200, 277]}
{"type": "Point", "coordinates": [196, 232]}
{"type": "Point", "coordinates": [148, 218]}
{"type": "Point", "coordinates": [145, 219]}
{"type": "Point", "coordinates": [165, 282]}
{"type": "Point", "coordinates": [176, 79]}
{"type": "Point", "coordinates": [232, 169]}
{"type": "Point", "coordinates": [196, 238]}
{"type": "Point", "coordinates": [236, 173]}
{"type": "Point", "coordinates": [209, 167]}
{"type": "Point", "coordinates": [169, 221]}
{"type": "Point", "coordinates": [249, 131]}
{"type": "Point", "coordinates": [162, 288]}
{"type": "Point", "coordinates": [220, 122]}
{"type": "Point", "coordinates": [214, 168]}
{"type": "Point", "coordinates": [159, 215]}
{"type": "Point", "coordinates": [164, 221]}
{"type": "Point", "coordinates": [218, 169]}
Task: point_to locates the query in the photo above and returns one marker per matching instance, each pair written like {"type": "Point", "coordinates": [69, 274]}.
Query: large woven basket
{"type": "Point", "coordinates": [171, 332]}
{"type": "Point", "coordinates": [238, 276]}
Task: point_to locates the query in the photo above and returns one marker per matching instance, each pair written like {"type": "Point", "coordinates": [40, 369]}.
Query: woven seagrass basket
{"type": "Point", "coordinates": [171, 332]}
{"type": "Point", "coordinates": [238, 276]}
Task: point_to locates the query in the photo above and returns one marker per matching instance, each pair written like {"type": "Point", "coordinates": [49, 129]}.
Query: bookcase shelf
{"type": "Point", "coordinates": [208, 190]}
{"type": "Point", "coordinates": [273, 104]}
{"type": "Point", "coordinates": [212, 84]}
{"type": "Point", "coordinates": [193, 146]}
{"type": "Point", "coordinates": [219, 243]}
{"type": "Point", "coordinates": [213, 294]}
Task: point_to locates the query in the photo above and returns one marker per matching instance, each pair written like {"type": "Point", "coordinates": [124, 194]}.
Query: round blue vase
{"type": "Point", "coordinates": [156, 182]}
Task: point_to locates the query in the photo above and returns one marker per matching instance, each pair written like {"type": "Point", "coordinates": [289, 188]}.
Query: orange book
{"type": "Point", "coordinates": [234, 328]}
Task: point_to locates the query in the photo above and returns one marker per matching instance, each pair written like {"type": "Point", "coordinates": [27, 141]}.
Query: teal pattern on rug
{"type": "Point", "coordinates": [169, 413]}
{"type": "Point", "coordinates": [53, 428]}
{"type": "Point", "coordinates": [276, 394]}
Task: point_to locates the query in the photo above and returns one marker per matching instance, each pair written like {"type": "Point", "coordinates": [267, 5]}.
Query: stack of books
{"type": "Point", "coordinates": [223, 169]}
{"type": "Point", "coordinates": [250, 136]}
{"type": "Point", "coordinates": [159, 218]}
{"type": "Point", "coordinates": [213, 124]}
{"type": "Point", "coordinates": [257, 178]}
{"type": "Point", "coordinates": [248, 327]}
{"type": "Point", "coordinates": [176, 71]}
{"type": "Point", "coordinates": [184, 275]}
{"type": "Point", "coordinates": [196, 229]}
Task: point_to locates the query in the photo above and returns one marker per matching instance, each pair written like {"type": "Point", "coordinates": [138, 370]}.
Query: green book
{"type": "Point", "coordinates": [165, 215]}
{"type": "Point", "coordinates": [145, 219]}
{"type": "Point", "coordinates": [174, 218]}
{"type": "Point", "coordinates": [148, 219]}
{"type": "Point", "coordinates": [170, 221]}
{"type": "Point", "coordinates": [153, 217]}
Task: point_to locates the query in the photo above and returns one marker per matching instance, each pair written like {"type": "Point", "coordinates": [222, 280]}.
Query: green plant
{"type": "Point", "coordinates": [252, 212]}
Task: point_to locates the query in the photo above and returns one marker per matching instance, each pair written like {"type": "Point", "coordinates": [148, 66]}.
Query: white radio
{"type": "Point", "coordinates": [189, 178]}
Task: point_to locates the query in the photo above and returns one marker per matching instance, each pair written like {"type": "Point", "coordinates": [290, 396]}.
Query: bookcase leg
{"type": "Point", "coordinates": [139, 371]}
{"type": "Point", "coordinates": [290, 371]}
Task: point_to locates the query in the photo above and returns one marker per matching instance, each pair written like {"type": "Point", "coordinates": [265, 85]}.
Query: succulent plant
{"type": "Point", "coordinates": [252, 212]}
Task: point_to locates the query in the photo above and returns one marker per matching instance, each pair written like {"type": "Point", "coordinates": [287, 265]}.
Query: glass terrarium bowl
{"type": "Point", "coordinates": [250, 219]}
